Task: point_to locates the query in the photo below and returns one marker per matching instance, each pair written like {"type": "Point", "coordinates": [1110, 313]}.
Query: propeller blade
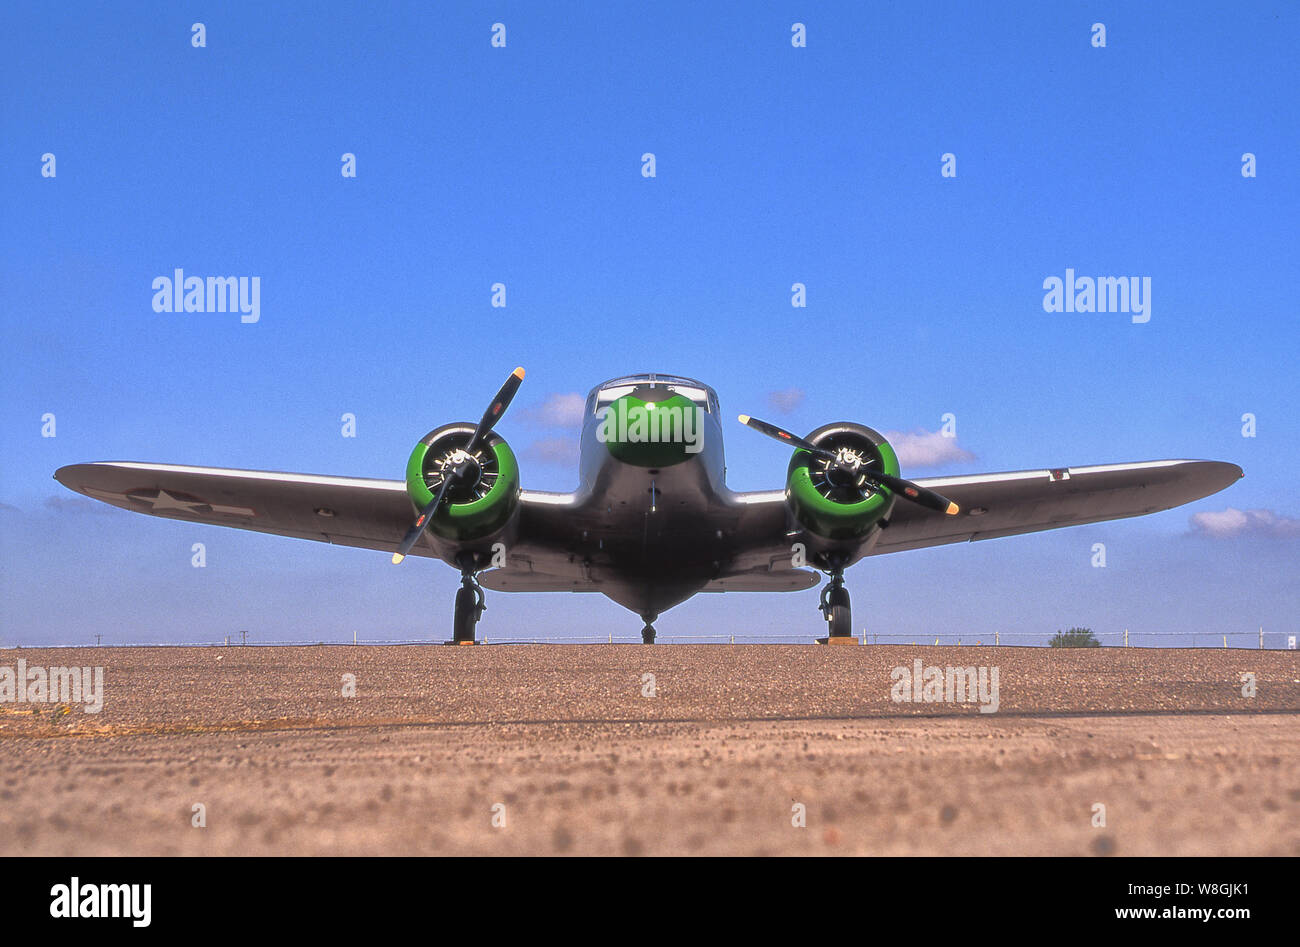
{"type": "Point", "coordinates": [498, 408]}
{"type": "Point", "coordinates": [422, 522]}
{"type": "Point", "coordinates": [904, 488]}
{"type": "Point", "coordinates": [781, 434]}
{"type": "Point", "coordinates": [916, 493]}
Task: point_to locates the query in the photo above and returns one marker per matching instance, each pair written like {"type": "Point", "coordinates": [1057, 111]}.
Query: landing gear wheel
{"type": "Point", "coordinates": [469, 608]}
{"type": "Point", "coordinates": [648, 634]}
{"type": "Point", "coordinates": [835, 608]}
{"type": "Point", "coordinates": [840, 616]}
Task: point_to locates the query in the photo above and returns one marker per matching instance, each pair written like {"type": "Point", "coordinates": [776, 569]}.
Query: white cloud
{"type": "Point", "coordinates": [785, 401]}
{"type": "Point", "coordinates": [560, 409]}
{"type": "Point", "coordinates": [562, 451]}
{"type": "Point", "coordinates": [926, 449]}
{"type": "Point", "coordinates": [1234, 522]}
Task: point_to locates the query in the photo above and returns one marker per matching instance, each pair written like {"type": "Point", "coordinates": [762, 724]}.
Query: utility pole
{"type": "Point", "coordinates": [100, 638]}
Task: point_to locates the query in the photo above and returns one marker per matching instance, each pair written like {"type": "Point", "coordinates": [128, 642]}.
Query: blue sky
{"type": "Point", "coordinates": [522, 165]}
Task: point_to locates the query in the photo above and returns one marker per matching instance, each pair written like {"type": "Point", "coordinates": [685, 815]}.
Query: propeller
{"type": "Point", "coordinates": [490, 418]}
{"type": "Point", "coordinates": [840, 461]}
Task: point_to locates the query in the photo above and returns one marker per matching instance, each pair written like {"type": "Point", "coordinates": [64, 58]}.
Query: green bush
{"type": "Point", "coordinates": [1075, 638]}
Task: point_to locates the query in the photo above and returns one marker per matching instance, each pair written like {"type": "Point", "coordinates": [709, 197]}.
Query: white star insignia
{"type": "Point", "coordinates": [164, 501]}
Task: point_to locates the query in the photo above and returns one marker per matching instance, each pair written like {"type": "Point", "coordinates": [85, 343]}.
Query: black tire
{"type": "Point", "coordinates": [840, 614]}
{"type": "Point", "coordinates": [466, 615]}
{"type": "Point", "coordinates": [841, 622]}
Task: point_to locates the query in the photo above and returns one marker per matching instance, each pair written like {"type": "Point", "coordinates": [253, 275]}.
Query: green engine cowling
{"type": "Point", "coordinates": [474, 513]}
{"type": "Point", "coordinates": [832, 506]}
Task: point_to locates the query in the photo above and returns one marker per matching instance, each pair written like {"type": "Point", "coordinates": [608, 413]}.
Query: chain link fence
{"type": "Point", "coordinates": [1127, 638]}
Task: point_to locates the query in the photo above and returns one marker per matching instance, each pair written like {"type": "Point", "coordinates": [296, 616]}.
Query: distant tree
{"type": "Point", "coordinates": [1075, 638]}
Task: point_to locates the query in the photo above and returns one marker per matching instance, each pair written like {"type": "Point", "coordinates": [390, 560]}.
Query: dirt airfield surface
{"type": "Point", "coordinates": [546, 749]}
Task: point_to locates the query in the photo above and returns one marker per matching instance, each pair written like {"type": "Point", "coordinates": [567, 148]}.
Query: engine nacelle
{"type": "Point", "coordinates": [834, 505]}
{"type": "Point", "coordinates": [483, 508]}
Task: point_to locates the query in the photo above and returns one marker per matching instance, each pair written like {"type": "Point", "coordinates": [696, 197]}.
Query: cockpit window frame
{"type": "Point", "coordinates": [709, 404]}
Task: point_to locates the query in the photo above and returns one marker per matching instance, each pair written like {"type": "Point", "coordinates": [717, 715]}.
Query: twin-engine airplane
{"type": "Point", "coordinates": [652, 521]}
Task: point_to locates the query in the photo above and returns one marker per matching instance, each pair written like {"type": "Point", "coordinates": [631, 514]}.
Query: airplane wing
{"type": "Point", "coordinates": [1006, 504]}
{"type": "Point", "coordinates": [1027, 501]}
{"type": "Point", "coordinates": [346, 511]}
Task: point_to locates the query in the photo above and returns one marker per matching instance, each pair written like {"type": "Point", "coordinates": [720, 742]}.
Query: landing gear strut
{"type": "Point", "coordinates": [835, 608]}
{"type": "Point", "coordinates": [470, 605]}
{"type": "Point", "coordinates": [648, 632]}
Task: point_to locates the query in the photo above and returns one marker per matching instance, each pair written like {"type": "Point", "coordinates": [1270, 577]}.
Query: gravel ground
{"type": "Point", "coordinates": [563, 744]}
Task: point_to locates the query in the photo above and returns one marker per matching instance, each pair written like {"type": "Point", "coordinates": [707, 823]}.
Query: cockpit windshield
{"type": "Point", "coordinates": [609, 392]}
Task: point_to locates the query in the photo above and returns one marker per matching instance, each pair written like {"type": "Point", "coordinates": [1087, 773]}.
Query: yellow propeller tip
{"type": "Point", "coordinates": [953, 509]}
{"type": "Point", "coordinates": [519, 372]}
{"type": "Point", "coordinates": [397, 557]}
{"type": "Point", "coordinates": [744, 418]}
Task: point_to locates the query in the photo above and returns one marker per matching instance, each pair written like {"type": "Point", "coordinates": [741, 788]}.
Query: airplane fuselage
{"type": "Point", "coordinates": [657, 524]}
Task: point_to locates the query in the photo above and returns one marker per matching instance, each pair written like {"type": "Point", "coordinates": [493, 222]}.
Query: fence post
{"type": "Point", "coordinates": [997, 637]}
{"type": "Point", "coordinates": [1126, 637]}
{"type": "Point", "coordinates": [1261, 637]}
